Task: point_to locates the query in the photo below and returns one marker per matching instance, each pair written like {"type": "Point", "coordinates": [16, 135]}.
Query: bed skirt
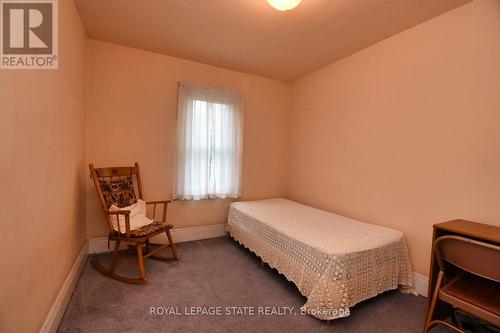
{"type": "Point", "coordinates": [333, 273]}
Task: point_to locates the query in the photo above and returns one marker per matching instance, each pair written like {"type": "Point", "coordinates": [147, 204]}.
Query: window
{"type": "Point", "coordinates": [209, 143]}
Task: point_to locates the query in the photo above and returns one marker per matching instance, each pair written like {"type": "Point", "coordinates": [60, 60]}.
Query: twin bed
{"type": "Point", "coordinates": [334, 261]}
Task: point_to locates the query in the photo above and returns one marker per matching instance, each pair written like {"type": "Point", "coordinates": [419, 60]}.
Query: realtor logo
{"type": "Point", "coordinates": [29, 38]}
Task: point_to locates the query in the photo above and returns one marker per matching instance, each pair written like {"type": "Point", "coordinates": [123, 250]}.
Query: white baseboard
{"type": "Point", "coordinates": [99, 245]}
{"type": "Point", "coordinates": [59, 306]}
{"type": "Point", "coordinates": [421, 284]}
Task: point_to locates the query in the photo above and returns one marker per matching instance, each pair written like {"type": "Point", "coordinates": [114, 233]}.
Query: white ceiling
{"type": "Point", "coordinates": [249, 35]}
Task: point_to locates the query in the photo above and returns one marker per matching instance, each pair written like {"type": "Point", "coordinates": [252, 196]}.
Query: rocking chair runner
{"type": "Point", "coordinates": [115, 186]}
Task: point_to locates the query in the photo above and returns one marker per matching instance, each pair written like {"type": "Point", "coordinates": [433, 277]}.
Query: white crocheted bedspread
{"type": "Point", "coordinates": [334, 261]}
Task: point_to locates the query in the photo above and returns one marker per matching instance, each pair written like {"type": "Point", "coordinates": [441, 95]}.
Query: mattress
{"type": "Point", "coordinates": [333, 260]}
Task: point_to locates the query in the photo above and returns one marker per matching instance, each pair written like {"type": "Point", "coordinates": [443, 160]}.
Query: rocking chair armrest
{"type": "Point", "coordinates": [119, 211]}
{"type": "Point", "coordinates": [126, 215]}
{"type": "Point", "coordinates": [160, 202]}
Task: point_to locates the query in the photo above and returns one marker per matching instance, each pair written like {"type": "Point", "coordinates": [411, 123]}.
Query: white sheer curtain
{"type": "Point", "coordinates": [209, 143]}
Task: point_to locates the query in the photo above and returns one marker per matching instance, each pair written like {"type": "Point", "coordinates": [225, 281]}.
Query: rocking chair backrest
{"type": "Point", "coordinates": [115, 186]}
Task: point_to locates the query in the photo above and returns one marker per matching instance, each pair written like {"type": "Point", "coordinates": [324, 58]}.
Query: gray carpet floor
{"type": "Point", "coordinates": [220, 273]}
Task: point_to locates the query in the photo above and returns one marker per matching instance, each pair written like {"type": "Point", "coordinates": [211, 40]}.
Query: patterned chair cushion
{"type": "Point", "coordinates": [118, 192]}
{"type": "Point", "coordinates": [148, 229]}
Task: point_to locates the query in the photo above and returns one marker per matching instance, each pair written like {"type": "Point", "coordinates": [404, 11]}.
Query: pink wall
{"type": "Point", "coordinates": [42, 159]}
{"type": "Point", "coordinates": [131, 115]}
{"type": "Point", "coordinates": [405, 133]}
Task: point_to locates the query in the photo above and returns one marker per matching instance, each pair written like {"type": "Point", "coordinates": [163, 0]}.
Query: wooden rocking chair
{"type": "Point", "coordinates": [115, 186]}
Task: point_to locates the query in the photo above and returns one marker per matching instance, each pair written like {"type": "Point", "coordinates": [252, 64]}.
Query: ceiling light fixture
{"type": "Point", "coordinates": [284, 4]}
